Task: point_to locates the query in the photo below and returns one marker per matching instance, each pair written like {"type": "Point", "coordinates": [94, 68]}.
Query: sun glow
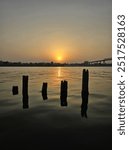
{"type": "Point", "coordinates": [59, 58]}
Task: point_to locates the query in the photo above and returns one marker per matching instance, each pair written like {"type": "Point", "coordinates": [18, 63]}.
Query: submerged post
{"type": "Point", "coordinates": [85, 93]}
{"type": "Point", "coordinates": [63, 93]}
{"type": "Point", "coordinates": [44, 91]}
{"type": "Point", "coordinates": [25, 91]}
{"type": "Point", "coordinates": [15, 90]}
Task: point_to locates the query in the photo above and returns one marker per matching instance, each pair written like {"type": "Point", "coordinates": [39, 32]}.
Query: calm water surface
{"type": "Point", "coordinates": [47, 125]}
{"type": "Point", "coordinates": [100, 88]}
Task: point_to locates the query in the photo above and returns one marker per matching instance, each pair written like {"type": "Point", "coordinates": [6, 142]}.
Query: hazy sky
{"type": "Point", "coordinates": [47, 30]}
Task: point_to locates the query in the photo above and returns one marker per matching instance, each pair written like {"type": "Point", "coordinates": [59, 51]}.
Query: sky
{"type": "Point", "coordinates": [55, 30]}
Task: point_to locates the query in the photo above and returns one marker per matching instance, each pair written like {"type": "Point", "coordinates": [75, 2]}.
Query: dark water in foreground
{"type": "Point", "coordinates": [47, 125]}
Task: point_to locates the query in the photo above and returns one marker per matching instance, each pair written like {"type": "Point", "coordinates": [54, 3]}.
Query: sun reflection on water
{"type": "Point", "coordinates": [59, 72]}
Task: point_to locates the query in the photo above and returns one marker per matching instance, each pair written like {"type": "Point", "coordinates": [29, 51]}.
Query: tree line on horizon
{"type": "Point", "coordinates": [47, 64]}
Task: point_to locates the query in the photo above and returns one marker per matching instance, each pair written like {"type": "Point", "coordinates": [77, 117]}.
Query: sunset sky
{"type": "Point", "coordinates": [55, 30]}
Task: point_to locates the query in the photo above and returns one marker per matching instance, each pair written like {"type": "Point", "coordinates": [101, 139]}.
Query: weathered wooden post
{"type": "Point", "coordinates": [25, 91]}
{"type": "Point", "coordinates": [15, 90]}
{"type": "Point", "coordinates": [44, 91]}
{"type": "Point", "coordinates": [85, 93]}
{"type": "Point", "coordinates": [63, 93]}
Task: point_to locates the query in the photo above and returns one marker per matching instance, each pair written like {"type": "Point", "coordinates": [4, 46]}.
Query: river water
{"type": "Point", "coordinates": [49, 113]}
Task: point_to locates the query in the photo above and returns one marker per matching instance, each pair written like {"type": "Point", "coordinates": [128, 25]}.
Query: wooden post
{"type": "Point", "coordinates": [44, 91]}
{"type": "Point", "coordinates": [63, 93]}
{"type": "Point", "coordinates": [15, 90]}
{"type": "Point", "coordinates": [85, 93]}
{"type": "Point", "coordinates": [25, 91]}
{"type": "Point", "coordinates": [25, 85]}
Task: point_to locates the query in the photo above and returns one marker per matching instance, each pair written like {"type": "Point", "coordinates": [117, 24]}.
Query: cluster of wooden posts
{"type": "Point", "coordinates": [63, 92]}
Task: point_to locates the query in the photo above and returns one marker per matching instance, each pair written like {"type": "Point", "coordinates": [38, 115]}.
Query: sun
{"type": "Point", "coordinates": [59, 58]}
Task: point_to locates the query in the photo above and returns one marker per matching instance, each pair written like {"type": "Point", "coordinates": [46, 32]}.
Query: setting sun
{"type": "Point", "coordinates": [59, 58]}
{"type": "Point", "coordinates": [58, 55]}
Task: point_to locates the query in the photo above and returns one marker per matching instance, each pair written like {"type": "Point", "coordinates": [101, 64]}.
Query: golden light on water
{"type": "Point", "coordinates": [59, 72]}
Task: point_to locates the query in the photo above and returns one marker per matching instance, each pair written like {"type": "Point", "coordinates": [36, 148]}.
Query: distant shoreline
{"type": "Point", "coordinates": [56, 66]}
{"type": "Point", "coordinates": [99, 63]}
